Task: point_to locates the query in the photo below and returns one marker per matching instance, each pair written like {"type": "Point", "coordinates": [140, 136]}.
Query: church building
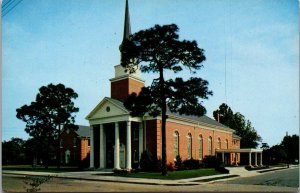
{"type": "Point", "coordinates": [118, 139]}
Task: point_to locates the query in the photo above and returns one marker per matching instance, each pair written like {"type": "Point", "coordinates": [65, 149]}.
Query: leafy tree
{"type": "Point", "coordinates": [290, 145]}
{"type": "Point", "coordinates": [33, 151]}
{"type": "Point", "coordinates": [237, 121]}
{"type": "Point", "coordinates": [157, 50]}
{"type": "Point", "coordinates": [264, 146]}
{"type": "Point", "coordinates": [277, 154]}
{"type": "Point", "coordinates": [13, 151]}
{"type": "Point", "coordinates": [52, 109]}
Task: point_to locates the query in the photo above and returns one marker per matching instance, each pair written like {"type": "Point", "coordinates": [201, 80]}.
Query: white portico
{"type": "Point", "coordinates": [249, 151]}
{"type": "Point", "coordinates": [113, 128]}
{"type": "Point", "coordinates": [117, 139]}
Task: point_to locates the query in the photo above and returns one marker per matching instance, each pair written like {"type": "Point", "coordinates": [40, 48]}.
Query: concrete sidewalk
{"type": "Point", "coordinates": [235, 172]}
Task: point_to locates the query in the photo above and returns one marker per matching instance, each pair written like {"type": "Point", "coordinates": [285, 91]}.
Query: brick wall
{"type": "Point", "coordinates": [68, 144]}
{"type": "Point", "coordinates": [78, 151]}
{"type": "Point", "coordinates": [85, 148]}
{"type": "Point", "coordinates": [183, 131]}
{"type": "Point", "coordinates": [121, 89]}
{"type": "Point", "coordinates": [151, 136]}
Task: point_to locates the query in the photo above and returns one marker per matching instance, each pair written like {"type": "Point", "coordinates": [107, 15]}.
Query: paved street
{"type": "Point", "coordinates": [14, 183]}
{"type": "Point", "coordinates": [285, 180]}
{"type": "Point", "coordinates": [288, 178]}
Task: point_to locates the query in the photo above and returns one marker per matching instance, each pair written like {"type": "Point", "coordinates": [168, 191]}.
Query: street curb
{"type": "Point", "coordinates": [106, 180]}
{"type": "Point", "coordinates": [275, 169]}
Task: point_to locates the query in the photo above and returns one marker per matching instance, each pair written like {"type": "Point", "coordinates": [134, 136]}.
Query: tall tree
{"type": "Point", "coordinates": [13, 151]}
{"type": "Point", "coordinates": [290, 145]}
{"type": "Point", "coordinates": [157, 50]}
{"type": "Point", "coordinates": [237, 121]}
{"type": "Point", "coordinates": [45, 118]}
{"type": "Point", "coordinates": [265, 146]}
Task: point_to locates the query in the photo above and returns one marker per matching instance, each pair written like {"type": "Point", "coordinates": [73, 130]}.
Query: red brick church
{"type": "Point", "coordinates": [117, 139]}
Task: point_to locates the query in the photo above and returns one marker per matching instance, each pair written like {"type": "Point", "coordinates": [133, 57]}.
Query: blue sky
{"type": "Point", "coordinates": [76, 42]}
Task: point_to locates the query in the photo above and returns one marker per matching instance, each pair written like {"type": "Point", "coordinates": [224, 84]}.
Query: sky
{"type": "Point", "coordinates": [251, 49]}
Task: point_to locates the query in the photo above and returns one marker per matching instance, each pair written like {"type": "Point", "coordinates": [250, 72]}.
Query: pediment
{"type": "Point", "coordinates": [107, 108]}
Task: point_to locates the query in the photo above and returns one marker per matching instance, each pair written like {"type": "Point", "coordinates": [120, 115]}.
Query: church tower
{"type": "Point", "coordinates": [125, 83]}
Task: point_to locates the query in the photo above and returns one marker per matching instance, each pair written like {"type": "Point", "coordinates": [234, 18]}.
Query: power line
{"type": "Point", "coordinates": [12, 8]}
{"type": "Point", "coordinates": [10, 2]}
{"type": "Point", "coordinates": [8, 6]}
{"type": "Point", "coordinates": [5, 3]}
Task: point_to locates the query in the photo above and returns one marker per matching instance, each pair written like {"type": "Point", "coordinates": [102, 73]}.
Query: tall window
{"type": "Point", "coordinates": [189, 146]}
{"type": "Point", "coordinates": [136, 156]}
{"type": "Point", "coordinates": [74, 142]}
{"type": "Point", "coordinates": [136, 134]}
{"type": "Point", "coordinates": [209, 146]}
{"type": "Point", "coordinates": [226, 143]}
{"type": "Point", "coordinates": [200, 147]}
{"type": "Point", "coordinates": [219, 143]}
{"type": "Point", "coordinates": [176, 144]}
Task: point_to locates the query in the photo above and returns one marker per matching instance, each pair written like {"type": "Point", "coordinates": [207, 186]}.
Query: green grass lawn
{"type": "Point", "coordinates": [176, 175]}
{"type": "Point", "coordinates": [40, 168]}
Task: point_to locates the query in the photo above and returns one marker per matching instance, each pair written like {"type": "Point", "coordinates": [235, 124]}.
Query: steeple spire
{"type": "Point", "coordinates": [127, 28]}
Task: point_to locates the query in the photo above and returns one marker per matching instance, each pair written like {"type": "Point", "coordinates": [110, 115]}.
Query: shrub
{"type": "Point", "coordinates": [157, 164]}
{"type": "Point", "coordinates": [122, 172]}
{"type": "Point", "coordinates": [147, 163]}
{"type": "Point", "coordinates": [85, 163]}
{"type": "Point", "coordinates": [191, 164]}
{"type": "Point", "coordinates": [211, 161]}
{"type": "Point", "coordinates": [33, 183]}
{"type": "Point", "coordinates": [221, 168]}
{"type": "Point", "coordinates": [178, 163]}
{"type": "Point", "coordinates": [170, 166]}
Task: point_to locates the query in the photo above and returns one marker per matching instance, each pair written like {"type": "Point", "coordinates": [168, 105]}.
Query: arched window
{"type": "Point", "coordinates": [200, 147]}
{"type": "Point", "coordinates": [219, 143]}
{"type": "Point", "coordinates": [226, 143]}
{"type": "Point", "coordinates": [210, 146]}
{"type": "Point", "coordinates": [67, 156]}
{"type": "Point", "coordinates": [176, 144]}
{"type": "Point", "coordinates": [189, 145]}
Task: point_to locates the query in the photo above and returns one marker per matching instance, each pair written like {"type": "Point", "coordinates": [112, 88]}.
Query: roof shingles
{"type": "Point", "coordinates": [202, 119]}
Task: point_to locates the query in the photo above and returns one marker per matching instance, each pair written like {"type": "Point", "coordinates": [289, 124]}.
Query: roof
{"type": "Point", "coordinates": [236, 136]}
{"type": "Point", "coordinates": [242, 150]}
{"type": "Point", "coordinates": [83, 131]}
{"type": "Point", "coordinates": [127, 28]}
{"type": "Point", "coordinates": [202, 119]}
{"type": "Point", "coordinates": [116, 102]}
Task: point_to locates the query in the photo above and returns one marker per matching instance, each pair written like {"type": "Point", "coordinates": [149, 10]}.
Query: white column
{"type": "Point", "coordinates": [256, 159]}
{"type": "Point", "coordinates": [92, 147]}
{"type": "Point", "coordinates": [128, 146]}
{"type": "Point", "coordinates": [261, 159]}
{"type": "Point", "coordinates": [102, 149]}
{"type": "Point", "coordinates": [236, 159]}
{"type": "Point", "coordinates": [141, 141]}
{"type": "Point", "coordinates": [117, 147]}
{"type": "Point", "coordinates": [249, 158]}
